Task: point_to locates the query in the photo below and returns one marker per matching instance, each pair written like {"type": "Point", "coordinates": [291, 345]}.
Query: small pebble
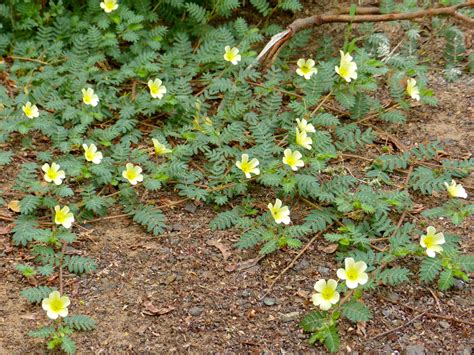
{"type": "Point", "coordinates": [288, 317]}
{"type": "Point", "coordinates": [196, 311]}
{"type": "Point", "coordinates": [269, 301]}
{"type": "Point", "coordinates": [444, 324]}
{"type": "Point", "coordinates": [302, 265]}
{"type": "Point", "coordinates": [190, 207]}
{"type": "Point", "coordinates": [324, 270]}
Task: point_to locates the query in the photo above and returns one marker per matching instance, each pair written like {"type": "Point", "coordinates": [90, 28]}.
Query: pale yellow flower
{"type": "Point", "coordinates": [157, 89]}
{"type": "Point", "coordinates": [132, 173]}
{"type": "Point", "coordinates": [306, 68]}
{"type": "Point", "coordinates": [304, 126]}
{"type": "Point", "coordinates": [303, 140]}
{"type": "Point", "coordinates": [109, 5]}
{"type": "Point", "coordinates": [353, 273]}
{"type": "Point", "coordinates": [248, 167]}
{"type": "Point", "coordinates": [232, 55]}
{"type": "Point", "coordinates": [63, 216]}
{"type": "Point", "coordinates": [412, 89]}
{"type": "Point", "coordinates": [55, 305]}
{"type": "Point", "coordinates": [347, 68]}
{"type": "Point", "coordinates": [432, 241]}
{"type": "Point", "coordinates": [281, 214]}
{"type": "Point", "coordinates": [293, 159]}
{"type": "Point", "coordinates": [30, 111]}
{"type": "Point", "coordinates": [327, 294]}
{"type": "Point", "coordinates": [89, 98]}
{"type": "Point", "coordinates": [53, 174]}
{"type": "Point", "coordinates": [455, 190]}
{"type": "Point", "coordinates": [91, 153]}
{"type": "Point", "coordinates": [160, 148]}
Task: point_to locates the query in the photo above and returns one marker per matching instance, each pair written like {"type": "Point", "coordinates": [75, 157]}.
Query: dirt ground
{"type": "Point", "coordinates": [189, 290]}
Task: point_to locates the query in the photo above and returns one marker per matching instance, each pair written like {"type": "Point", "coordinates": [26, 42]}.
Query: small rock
{"type": "Point", "coordinates": [302, 265]}
{"type": "Point", "coordinates": [190, 207]}
{"type": "Point", "coordinates": [196, 311]}
{"type": "Point", "coordinates": [394, 297]}
{"type": "Point", "coordinates": [415, 350]}
{"type": "Point", "coordinates": [444, 324]}
{"type": "Point", "coordinates": [459, 284]}
{"type": "Point", "coordinates": [246, 293]}
{"type": "Point", "coordinates": [324, 270]}
{"type": "Point", "coordinates": [177, 227]}
{"type": "Point", "coordinates": [288, 317]}
{"type": "Point", "coordinates": [269, 301]}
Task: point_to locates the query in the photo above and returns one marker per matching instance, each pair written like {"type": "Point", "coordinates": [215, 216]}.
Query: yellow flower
{"type": "Point", "coordinates": [327, 294]}
{"type": "Point", "coordinates": [281, 214]}
{"type": "Point", "coordinates": [304, 126]}
{"type": "Point", "coordinates": [89, 98]}
{"type": "Point", "coordinates": [157, 90]}
{"type": "Point", "coordinates": [30, 111]}
{"type": "Point", "coordinates": [306, 68]}
{"type": "Point", "coordinates": [63, 216]}
{"type": "Point", "coordinates": [55, 305]}
{"type": "Point", "coordinates": [53, 174]}
{"type": "Point", "coordinates": [347, 68]}
{"type": "Point", "coordinates": [455, 190]}
{"type": "Point", "coordinates": [232, 55]}
{"type": "Point", "coordinates": [132, 173]}
{"type": "Point", "coordinates": [109, 5]}
{"type": "Point", "coordinates": [412, 89]}
{"type": "Point", "coordinates": [248, 167]}
{"type": "Point", "coordinates": [303, 140]}
{"type": "Point", "coordinates": [353, 273]}
{"type": "Point", "coordinates": [293, 159]}
{"type": "Point", "coordinates": [160, 148]}
{"type": "Point", "coordinates": [432, 242]}
{"type": "Point", "coordinates": [91, 153]}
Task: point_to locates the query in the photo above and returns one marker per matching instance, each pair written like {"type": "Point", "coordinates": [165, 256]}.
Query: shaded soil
{"type": "Point", "coordinates": [190, 291]}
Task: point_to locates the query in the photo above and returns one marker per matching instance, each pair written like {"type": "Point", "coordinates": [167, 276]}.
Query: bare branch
{"type": "Point", "coordinates": [364, 14]}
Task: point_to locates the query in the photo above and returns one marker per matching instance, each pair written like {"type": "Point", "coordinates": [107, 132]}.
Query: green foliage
{"type": "Point", "coordinates": [80, 322]}
{"type": "Point", "coordinates": [211, 114]}
{"type": "Point", "coordinates": [36, 294]}
{"type": "Point", "coordinates": [356, 311]}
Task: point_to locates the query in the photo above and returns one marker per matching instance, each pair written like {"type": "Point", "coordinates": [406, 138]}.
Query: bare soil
{"type": "Point", "coordinates": [189, 290]}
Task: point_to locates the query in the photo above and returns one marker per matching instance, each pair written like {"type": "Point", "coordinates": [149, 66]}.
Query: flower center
{"type": "Point", "coordinates": [230, 56]}
{"type": "Point", "coordinates": [246, 167]}
{"type": "Point", "coordinates": [60, 216]}
{"type": "Point", "coordinates": [53, 175]}
{"type": "Point", "coordinates": [327, 293]}
{"type": "Point", "coordinates": [28, 111]}
{"type": "Point", "coordinates": [291, 160]}
{"type": "Point", "coordinates": [305, 69]}
{"type": "Point", "coordinates": [56, 305]}
{"type": "Point", "coordinates": [344, 70]}
{"type": "Point", "coordinates": [429, 241]}
{"type": "Point", "coordinates": [131, 174]}
{"type": "Point", "coordinates": [87, 98]}
{"type": "Point", "coordinates": [352, 274]}
{"type": "Point", "coordinates": [90, 155]}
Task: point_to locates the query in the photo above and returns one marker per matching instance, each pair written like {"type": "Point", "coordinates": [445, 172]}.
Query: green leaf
{"type": "Point", "coordinates": [68, 345]}
{"type": "Point", "coordinates": [312, 321]}
{"type": "Point", "coordinates": [446, 280]}
{"type": "Point", "coordinates": [29, 203]}
{"type": "Point", "coordinates": [394, 276]}
{"type": "Point", "coordinates": [43, 332]}
{"type": "Point", "coordinates": [429, 269]}
{"type": "Point", "coordinates": [467, 263]}
{"type": "Point", "coordinates": [36, 294]}
{"type": "Point", "coordinates": [356, 311]}
{"type": "Point", "coordinates": [80, 322]}
{"type": "Point", "coordinates": [331, 339]}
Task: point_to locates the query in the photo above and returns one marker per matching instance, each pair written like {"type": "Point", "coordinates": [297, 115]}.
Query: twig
{"type": "Point", "coordinates": [431, 315]}
{"type": "Point", "coordinates": [277, 42]}
{"type": "Point", "coordinates": [438, 304]}
{"type": "Point", "coordinates": [61, 286]}
{"type": "Point", "coordinates": [290, 265]}
{"type": "Point", "coordinates": [469, 22]}
{"type": "Point", "coordinates": [399, 327]}
{"type": "Point", "coordinates": [28, 59]}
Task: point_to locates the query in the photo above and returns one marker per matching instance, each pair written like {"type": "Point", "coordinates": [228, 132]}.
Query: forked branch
{"type": "Point", "coordinates": [364, 14]}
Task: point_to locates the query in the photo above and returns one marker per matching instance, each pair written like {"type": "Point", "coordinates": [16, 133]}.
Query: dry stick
{"type": "Point", "coordinates": [290, 265]}
{"type": "Point", "coordinates": [399, 327]}
{"type": "Point", "coordinates": [431, 315]}
{"type": "Point", "coordinates": [28, 59]}
{"type": "Point", "coordinates": [61, 286]}
{"type": "Point", "coordinates": [276, 43]}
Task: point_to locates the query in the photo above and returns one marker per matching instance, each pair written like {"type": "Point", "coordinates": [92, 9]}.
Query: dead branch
{"type": "Point", "coordinates": [364, 14]}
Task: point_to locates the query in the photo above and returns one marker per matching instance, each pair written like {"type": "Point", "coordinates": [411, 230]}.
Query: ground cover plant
{"type": "Point", "coordinates": [120, 99]}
